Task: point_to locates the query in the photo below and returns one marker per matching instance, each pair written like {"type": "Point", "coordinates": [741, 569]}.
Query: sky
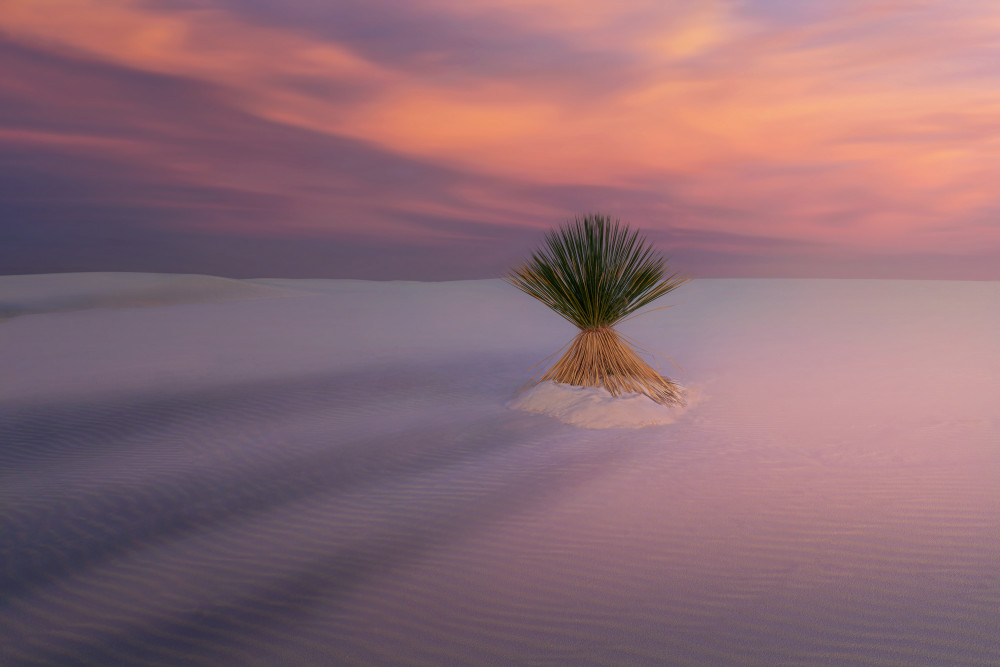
{"type": "Point", "coordinates": [440, 139]}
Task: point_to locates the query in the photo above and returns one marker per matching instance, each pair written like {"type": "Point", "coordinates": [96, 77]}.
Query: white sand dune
{"type": "Point", "coordinates": [77, 291]}
{"type": "Point", "coordinates": [209, 471]}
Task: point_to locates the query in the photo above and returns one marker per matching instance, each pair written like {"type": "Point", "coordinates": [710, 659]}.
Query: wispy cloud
{"type": "Point", "coordinates": [859, 125]}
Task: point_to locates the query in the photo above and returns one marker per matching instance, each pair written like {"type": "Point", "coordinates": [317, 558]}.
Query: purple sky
{"type": "Point", "coordinates": [438, 139]}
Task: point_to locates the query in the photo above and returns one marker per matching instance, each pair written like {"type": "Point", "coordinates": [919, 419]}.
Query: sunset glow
{"type": "Point", "coordinates": [436, 139]}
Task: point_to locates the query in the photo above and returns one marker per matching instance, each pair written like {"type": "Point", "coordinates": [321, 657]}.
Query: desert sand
{"type": "Point", "coordinates": [259, 472]}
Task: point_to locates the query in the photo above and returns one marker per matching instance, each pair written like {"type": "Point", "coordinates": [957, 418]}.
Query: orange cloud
{"type": "Point", "coordinates": [206, 43]}
{"type": "Point", "coordinates": [869, 124]}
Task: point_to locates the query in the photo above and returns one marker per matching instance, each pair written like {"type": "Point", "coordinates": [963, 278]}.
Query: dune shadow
{"type": "Point", "coordinates": [273, 609]}
{"type": "Point", "coordinates": [41, 432]}
{"type": "Point", "coordinates": [58, 534]}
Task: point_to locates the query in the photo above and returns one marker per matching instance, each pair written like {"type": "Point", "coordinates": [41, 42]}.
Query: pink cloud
{"type": "Point", "coordinates": [866, 125]}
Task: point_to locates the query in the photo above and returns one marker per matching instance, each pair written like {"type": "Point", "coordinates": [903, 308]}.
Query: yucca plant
{"type": "Point", "coordinates": [594, 272]}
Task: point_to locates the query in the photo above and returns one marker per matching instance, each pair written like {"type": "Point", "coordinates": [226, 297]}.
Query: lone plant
{"type": "Point", "coordinates": [594, 272]}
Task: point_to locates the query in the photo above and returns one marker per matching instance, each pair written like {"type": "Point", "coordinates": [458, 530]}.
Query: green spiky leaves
{"type": "Point", "coordinates": [594, 272]}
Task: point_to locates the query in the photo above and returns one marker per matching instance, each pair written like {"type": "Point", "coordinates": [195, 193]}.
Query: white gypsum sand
{"type": "Point", "coordinates": [326, 472]}
{"type": "Point", "coordinates": [593, 407]}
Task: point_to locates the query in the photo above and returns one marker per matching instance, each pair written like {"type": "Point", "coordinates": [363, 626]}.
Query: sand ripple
{"type": "Point", "coordinates": [403, 516]}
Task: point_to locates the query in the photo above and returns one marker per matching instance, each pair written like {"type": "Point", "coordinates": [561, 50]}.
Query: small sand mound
{"type": "Point", "coordinates": [593, 407]}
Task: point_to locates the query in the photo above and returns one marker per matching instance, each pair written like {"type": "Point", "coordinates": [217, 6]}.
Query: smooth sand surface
{"type": "Point", "coordinates": [330, 475]}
